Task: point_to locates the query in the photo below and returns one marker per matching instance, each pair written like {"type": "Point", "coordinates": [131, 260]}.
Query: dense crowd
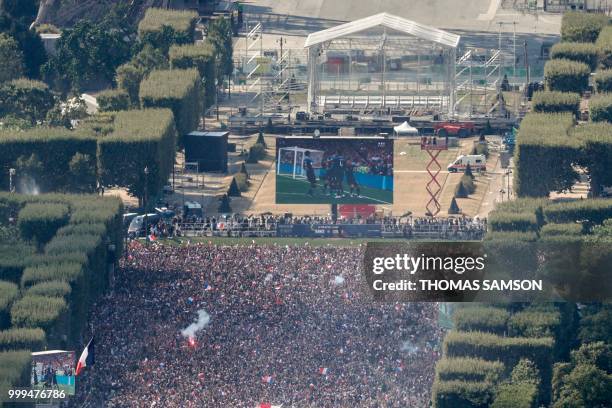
{"type": "Point", "coordinates": [289, 325]}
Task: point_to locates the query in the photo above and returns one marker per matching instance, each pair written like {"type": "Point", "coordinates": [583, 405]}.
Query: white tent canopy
{"type": "Point", "coordinates": [387, 20]}
{"type": "Point", "coordinates": [405, 130]}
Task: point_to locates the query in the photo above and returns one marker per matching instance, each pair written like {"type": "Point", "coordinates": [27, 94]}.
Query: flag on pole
{"type": "Point", "coordinates": [266, 379]}
{"type": "Point", "coordinates": [323, 370]}
{"type": "Point", "coordinates": [87, 357]}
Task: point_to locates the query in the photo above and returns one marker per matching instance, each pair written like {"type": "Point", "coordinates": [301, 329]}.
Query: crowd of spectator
{"type": "Point", "coordinates": [289, 325]}
{"type": "Point", "coordinates": [409, 227]}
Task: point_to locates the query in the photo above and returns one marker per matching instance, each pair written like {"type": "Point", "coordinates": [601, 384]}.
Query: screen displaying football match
{"type": "Point", "coordinates": [334, 170]}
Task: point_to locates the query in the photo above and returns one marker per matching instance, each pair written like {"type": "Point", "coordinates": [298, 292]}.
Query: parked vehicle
{"type": "Point", "coordinates": [137, 226]}
{"type": "Point", "coordinates": [477, 162]}
{"type": "Point", "coordinates": [459, 129]}
{"type": "Point", "coordinates": [192, 209]}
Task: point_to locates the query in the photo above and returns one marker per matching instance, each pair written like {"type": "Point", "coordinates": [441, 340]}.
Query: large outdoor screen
{"type": "Point", "coordinates": [334, 170]}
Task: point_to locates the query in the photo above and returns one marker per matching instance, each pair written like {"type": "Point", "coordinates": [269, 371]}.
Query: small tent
{"type": "Point", "coordinates": [405, 130]}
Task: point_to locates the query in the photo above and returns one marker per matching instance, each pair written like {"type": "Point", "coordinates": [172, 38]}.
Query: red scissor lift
{"type": "Point", "coordinates": [433, 145]}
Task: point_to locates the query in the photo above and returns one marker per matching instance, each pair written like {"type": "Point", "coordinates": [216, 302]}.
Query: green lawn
{"type": "Point", "coordinates": [295, 191]}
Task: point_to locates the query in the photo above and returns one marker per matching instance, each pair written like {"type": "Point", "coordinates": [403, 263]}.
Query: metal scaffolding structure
{"type": "Point", "coordinates": [381, 63]}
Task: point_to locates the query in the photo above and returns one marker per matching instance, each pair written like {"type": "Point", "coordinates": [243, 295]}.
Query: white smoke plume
{"type": "Point", "coordinates": [203, 321]}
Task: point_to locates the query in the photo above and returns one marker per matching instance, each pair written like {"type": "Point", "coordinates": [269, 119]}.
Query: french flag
{"type": "Point", "coordinates": [152, 238]}
{"type": "Point", "coordinates": [268, 405]}
{"type": "Point", "coordinates": [266, 379]}
{"type": "Point", "coordinates": [87, 357]}
{"type": "Point", "coordinates": [323, 370]}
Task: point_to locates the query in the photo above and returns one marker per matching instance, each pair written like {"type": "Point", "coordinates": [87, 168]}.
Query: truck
{"type": "Point", "coordinates": [477, 162]}
{"type": "Point", "coordinates": [453, 128]}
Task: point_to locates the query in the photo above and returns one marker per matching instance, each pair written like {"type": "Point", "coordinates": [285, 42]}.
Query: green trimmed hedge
{"type": "Point", "coordinates": [37, 311]}
{"type": "Point", "coordinates": [595, 139]}
{"type": "Point", "coordinates": [511, 236]}
{"type": "Point", "coordinates": [53, 147]}
{"type": "Point", "coordinates": [22, 338]}
{"type": "Point", "coordinates": [113, 100]}
{"type": "Point", "coordinates": [534, 324]}
{"type": "Point", "coordinates": [562, 229]}
{"type": "Point", "coordinates": [565, 75]}
{"type": "Point", "coordinates": [509, 222]}
{"type": "Point", "coordinates": [582, 27]}
{"type": "Point", "coordinates": [587, 53]}
{"type": "Point", "coordinates": [140, 138]}
{"type": "Point", "coordinates": [161, 27]}
{"type": "Point", "coordinates": [40, 221]}
{"type": "Point", "coordinates": [15, 371]}
{"type": "Point", "coordinates": [604, 43]}
{"type": "Point", "coordinates": [200, 56]}
{"type": "Point", "coordinates": [13, 259]}
{"type": "Point", "coordinates": [9, 292]}
{"type": "Point", "coordinates": [522, 395]}
{"type": "Point", "coordinates": [50, 288]}
{"type": "Point", "coordinates": [485, 319]}
{"type": "Point", "coordinates": [65, 271]}
{"type": "Point", "coordinates": [469, 369]}
{"type": "Point", "coordinates": [545, 154]}
{"type": "Point", "coordinates": [179, 90]}
{"type": "Point", "coordinates": [461, 394]}
{"type": "Point", "coordinates": [556, 102]}
{"type": "Point", "coordinates": [603, 80]}
{"type": "Point", "coordinates": [600, 107]}
{"type": "Point", "coordinates": [595, 211]}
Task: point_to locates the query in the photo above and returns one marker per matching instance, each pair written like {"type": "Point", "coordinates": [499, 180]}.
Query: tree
{"type": "Point", "coordinates": [26, 99]}
{"type": "Point", "coordinates": [260, 139]}
{"type": "Point", "coordinates": [220, 36]}
{"type": "Point", "coordinates": [525, 371]}
{"type": "Point", "coordinates": [30, 44]}
{"type": "Point", "coordinates": [233, 190]}
{"type": "Point", "coordinates": [587, 385]}
{"type": "Point", "coordinates": [243, 170]}
{"type": "Point", "coordinates": [461, 192]}
{"type": "Point", "coordinates": [454, 208]}
{"type": "Point", "coordinates": [87, 52]}
{"type": "Point", "coordinates": [19, 9]}
{"type": "Point", "coordinates": [224, 206]}
{"type": "Point", "coordinates": [468, 171]}
{"type": "Point", "coordinates": [11, 59]}
{"type": "Point", "coordinates": [128, 79]}
{"type": "Point", "coordinates": [82, 173]}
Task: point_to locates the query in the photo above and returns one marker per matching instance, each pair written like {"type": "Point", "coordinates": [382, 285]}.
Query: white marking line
{"type": "Point", "coordinates": [364, 196]}
{"type": "Point", "coordinates": [490, 14]}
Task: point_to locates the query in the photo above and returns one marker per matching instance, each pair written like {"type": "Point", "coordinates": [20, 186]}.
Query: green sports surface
{"type": "Point", "coordinates": [295, 191]}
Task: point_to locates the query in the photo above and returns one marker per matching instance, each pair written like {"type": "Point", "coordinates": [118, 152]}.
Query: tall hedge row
{"type": "Point", "coordinates": [40, 221]}
{"type": "Point", "coordinates": [179, 90]}
{"type": "Point", "coordinates": [461, 394]}
{"type": "Point", "coordinates": [161, 27]}
{"type": "Point", "coordinates": [594, 211]}
{"type": "Point", "coordinates": [603, 80]}
{"type": "Point", "coordinates": [600, 107]}
{"type": "Point", "coordinates": [604, 43]}
{"type": "Point", "coordinates": [565, 75]}
{"type": "Point", "coordinates": [582, 27]}
{"type": "Point", "coordinates": [521, 395]}
{"type": "Point", "coordinates": [113, 100]}
{"type": "Point", "coordinates": [469, 369]}
{"type": "Point", "coordinates": [54, 148]}
{"type": "Point", "coordinates": [556, 102]}
{"type": "Point", "coordinates": [587, 53]}
{"type": "Point", "coordinates": [201, 57]}
{"type": "Point", "coordinates": [140, 139]}
{"type": "Point", "coordinates": [485, 319]}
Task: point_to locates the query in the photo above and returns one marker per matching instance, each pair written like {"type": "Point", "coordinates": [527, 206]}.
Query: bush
{"type": "Point", "coordinates": [469, 369]}
{"type": "Point", "coordinates": [461, 394]}
{"type": "Point", "coordinates": [556, 102]}
{"type": "Point", "coordinates": [179, 90]}
{"type": "Point", "coordinates": [113, 100]}
{"type": "Point", "coordinates": [582, 27]}
{"type": "Point", "coordinates": [256, 152]}
{"type": "Point", "coordinates": [37, 311]}
{"type": "Point", "coordinates": [468, 183]}
{"type": "Point", "coordinates": [485, 319]}
{"type": "Point", "coordinates": [564, 75]}
{"type": "Point", "coordinates": [586, 53]}
{"type": "Point", "coordinates": [604, 44]}
{"type": "Point", "coordinates": [21, 338]}
{"type": "Point", "coordinates": [8, 293]}
{"type": "Point", "coordinates": [562, 229]}
{"type": "Point", "coordinates": [13, 259]}
{"type": "Point", "coordinates": [161, 28]}
{"type": "Point", "coordinates": [454, 207]}
{"type": "Point", "coordinates": [522, 222]}
{"type": "Point", "coordinates": [26, 99]}
{"type": "Point", "coordinates": [15, 370]}
{"type": "Point", "coordinates": [600, 107]}
{"type": "Point", "coordinates": [242, 181]}
{"type": "Point", "coordinates": [65, 271]}
{"type": "Point", "coordinates": [40, 221]}
{"type": "Point", "coordinates": [521, 395]}
{"type": "Point", "coordinates": [603, 80]}
{"type": "Point", "coordinates": [49, 288]}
